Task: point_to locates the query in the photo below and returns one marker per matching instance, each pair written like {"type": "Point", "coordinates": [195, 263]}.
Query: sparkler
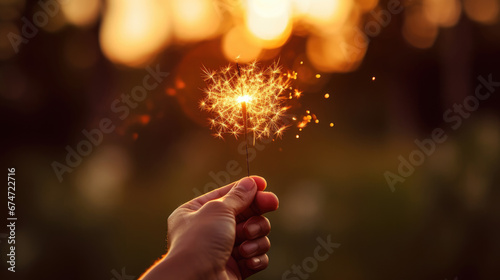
{"type": "Point", "coordinates": [248, 99]}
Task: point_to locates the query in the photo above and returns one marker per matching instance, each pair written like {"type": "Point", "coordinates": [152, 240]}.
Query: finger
{"type": "Point", "coordinates": [196, 203]}
{"type": "Point", "coordinates": [240, 196]}
{"type": "Point", "coordinates": [264, 202]}
{"type": "Point", "coordinates": [253, 265]}
{"type": "Point", "coordinates": [254, 227]}
{"type": "Point", "coordinates": [256, 247]}
{"type": "Point", "coordinates": [258, 263]}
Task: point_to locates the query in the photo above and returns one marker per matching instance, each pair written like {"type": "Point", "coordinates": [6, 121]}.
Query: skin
{"type": "Point", "coordinates": [219, 235]}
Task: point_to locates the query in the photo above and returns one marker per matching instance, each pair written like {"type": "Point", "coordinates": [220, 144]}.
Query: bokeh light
{"type": "Point", "coordinates": [194, 20]}
{"type": "Point", "coordinates": [444, 13]}
{"type": "Point", "coordinates": [329, 15]}
{"type": "Point", "coordinates": [269, 21]}
{"type": "Point", "coordinates": [237, 42]}
{"type": "Point", "coordinates": [133, 31]}
{"type": "Point", "coordinates": [342, 53]}
{"type": "Point", "coordinates": [483, 11]}
{"type": "Point", "coordinates": [418, 30]}
{"type": "Point", "coordinates": [101, 179]}
{"type": "Point", "coordinates": [81, 12]}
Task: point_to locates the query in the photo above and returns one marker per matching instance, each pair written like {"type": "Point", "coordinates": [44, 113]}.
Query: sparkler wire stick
{"type": "Point", "coordinates": [245, 117]}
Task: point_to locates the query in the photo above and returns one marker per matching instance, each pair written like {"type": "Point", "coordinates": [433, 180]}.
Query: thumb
{"type": "Point", "coordinates": [241, 195]}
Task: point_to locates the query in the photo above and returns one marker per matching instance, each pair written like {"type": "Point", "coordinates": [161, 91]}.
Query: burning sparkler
{"type": "Point", "coordinates": [246, 99]}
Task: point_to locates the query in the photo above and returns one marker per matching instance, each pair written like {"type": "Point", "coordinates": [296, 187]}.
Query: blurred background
{"type": "Point", "coordinates": [376, 74]}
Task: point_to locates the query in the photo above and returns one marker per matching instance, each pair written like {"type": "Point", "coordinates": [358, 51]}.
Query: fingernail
{"type": "Point", "coordinates": [255, 261]}
{"type": "Point", "coordinates": [246, 183]}
{"type": "Point", "coordinates": [253, 229]}
{"type": "Point", "coordinates": [250, 247]}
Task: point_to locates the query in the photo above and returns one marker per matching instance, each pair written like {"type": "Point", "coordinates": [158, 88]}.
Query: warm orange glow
{"type": "Point", "coordinates": [367, 5]}
{"type": "Point", "coordinates": [194, 20]}
{"type": "Point", "coordinates": [329, 15]}
{"type": "Point", "coordinates": [81, 12]}
{"type": "Point", "coordinates": [341, 53]}
{"type": "Point", "coordinates": [418, 30]}
{"type": "Point", "coordinates": [484, 11]}
{"type": "Point", "coordinates": [145, 119]}
{"type": "Point", "coordinates": [445, 13]}
{"type": "Point", "coordinates": [300, 7]}
{"type": "Point", "coordinates": [269, 21]}
{"type": "Point", "coordinates": [133, 31]}
{"type": "Point", "coordinates": [237, 42]}
{"type": "Point", "coordinates": [324, 10]}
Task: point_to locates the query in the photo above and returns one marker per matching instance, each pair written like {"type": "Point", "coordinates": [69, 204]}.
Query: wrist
{"type": "Point", "coordinates": [182, 265]}
{"type": "Point", "coordinates": [170, 267]}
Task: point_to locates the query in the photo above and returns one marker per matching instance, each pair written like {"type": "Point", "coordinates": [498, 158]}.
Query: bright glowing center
{"type": "Point", "coordinates": [244, 98]}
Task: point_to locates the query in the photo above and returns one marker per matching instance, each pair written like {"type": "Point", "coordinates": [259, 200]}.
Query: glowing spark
{"type": "Point", "coordinates": [303, 123]}
{"type": "Point", "coordinates": [327, 95]}
{"type": "Point", "coordinates": [331, 124]}
{"type": "Point", "coordinates": [374, 78]}
{"type": "Point", "coordinates": [318, 76]}
{"type": "Point", "coordinates": [298, 93]}
{"type": "Point", "coordinates": [244, 98]}
{"type": "Point", "coordinates": [259, 91]}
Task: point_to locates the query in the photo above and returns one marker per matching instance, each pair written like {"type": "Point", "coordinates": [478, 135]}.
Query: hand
{"type": "Point", "coordinates": [219, 235]}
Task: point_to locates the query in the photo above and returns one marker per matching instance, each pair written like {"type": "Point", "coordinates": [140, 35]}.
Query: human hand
{"type": "Point", "coordinates": [219, 235]}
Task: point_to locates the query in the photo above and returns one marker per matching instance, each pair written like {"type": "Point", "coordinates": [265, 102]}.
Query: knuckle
{"type": "Point", "coordinates": [239, 196]}
{"type": "Point", "coordinates": [172, 217]}
{"type": "Point", "coordinates": [214, 206]}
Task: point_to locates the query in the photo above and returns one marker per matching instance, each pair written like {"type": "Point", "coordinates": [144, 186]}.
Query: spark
{"type": "Point", "coordinates": [297, 93]}
{"type": "Point", "coordinates": [261, 92]}
{"type": "Point", "coordinates": [327, 95]}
